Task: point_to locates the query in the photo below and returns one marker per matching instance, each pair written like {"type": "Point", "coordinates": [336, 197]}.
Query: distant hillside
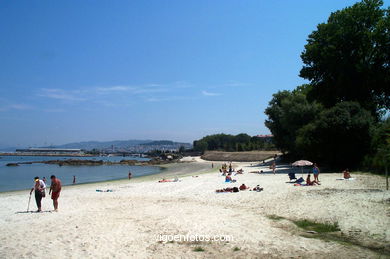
{"type": "Point", "coordinates": [125, 145]}
{"type": "Point", "coordinates": [89, 145]}
{"type": "Point", "coordinates": [164, 143]}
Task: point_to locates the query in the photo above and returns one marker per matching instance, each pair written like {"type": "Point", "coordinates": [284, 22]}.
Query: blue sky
{"type": "Point", "coordinates": [114, 70]}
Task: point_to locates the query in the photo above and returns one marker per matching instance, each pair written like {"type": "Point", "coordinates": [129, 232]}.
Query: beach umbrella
{"type": "Point", "coordinates": [302, 163]}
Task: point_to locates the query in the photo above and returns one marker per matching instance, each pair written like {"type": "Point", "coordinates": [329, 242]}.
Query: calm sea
{"type": "Point", "coordinates": [21, 177]}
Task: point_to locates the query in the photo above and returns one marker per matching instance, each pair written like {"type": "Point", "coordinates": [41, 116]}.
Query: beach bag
{"type": "Point", "coordinates": [43, 193]}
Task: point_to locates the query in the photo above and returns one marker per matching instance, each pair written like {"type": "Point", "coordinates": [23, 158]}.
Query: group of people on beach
{"type": "Point", "coordinates": [39, 189]}
{"type": "Point", "coordinates": [228, 179]}
{"type": "Point", "coordinates": [242, 187]}
{"type": "Point", "coordinates": [316, 172]}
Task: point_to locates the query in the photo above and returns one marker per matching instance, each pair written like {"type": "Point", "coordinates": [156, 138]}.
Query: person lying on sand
{"type": "Point", "coordinates": [228, 189]}
{"type": "Point", "coordinates": [346, 174]}
{"type": "Point", "coordinates": [257, 189]}
{"type": "Point", "coordinates": [240, 171]}
{"type": "Point", "coordinates": [164, 180]}
{"type": "Point", "coordinates": [169, 180]}
{"type": "Point", "coordinates": [243, 187]}
{"type": "Point", "coordinates": [309, 182]}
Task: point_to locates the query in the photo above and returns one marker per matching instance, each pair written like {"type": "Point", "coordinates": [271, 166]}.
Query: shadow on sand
{"type": "Point", "coordinates": [33, 211]}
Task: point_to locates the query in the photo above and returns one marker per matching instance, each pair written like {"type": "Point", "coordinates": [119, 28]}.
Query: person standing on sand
{"type": "Point", "coordinates": [39, 187]}
{"type": "Point", "coordinates": [316, 172]}
{"type": "Point", "coordinates": [129, 175]}
{"type": "Point", "coordinates": [273, 167]}
{"type": "Point", "coordinates": [55, 189]}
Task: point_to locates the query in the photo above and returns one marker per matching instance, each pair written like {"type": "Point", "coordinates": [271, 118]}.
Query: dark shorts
{"type": "Point", "coordinates": [55, 195]}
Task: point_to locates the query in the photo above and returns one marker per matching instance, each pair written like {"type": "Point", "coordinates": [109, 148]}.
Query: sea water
{"type": "Point", "coordinates": [22, 177]}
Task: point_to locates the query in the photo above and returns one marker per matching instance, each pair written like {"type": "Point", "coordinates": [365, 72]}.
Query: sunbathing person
{"type": "Point", "coordinates": [228, 179]}
{"type": "Point", "coordinates": [228, 189]}
{"type": "Point", "coordinates": [224, 190]}
{"type": "Point", "coordinates": [240, 171]}
{"type": "Point", "coordinates": [169, 180]}
{"type": "Point", "coordinates": [164, 180]}
{"type": "Point", "coordinates": [346, 174]}
{"type": "Point", "coordinates": [258, 188]}
{"type": "Point", "coordinates": [309, 182]}
{"type": "Point", "coordinates": [243, 187]}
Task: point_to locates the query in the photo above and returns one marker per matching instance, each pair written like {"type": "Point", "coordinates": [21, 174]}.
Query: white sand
{"type": "Point", "coordinates": [125, 223]}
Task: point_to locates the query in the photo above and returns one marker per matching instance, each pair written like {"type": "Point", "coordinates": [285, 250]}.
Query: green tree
{"type": "Point", "coordinates": [287, 113]}
{"type": "Point", "coordinates": [380, 146]}
{"type": "Point", "coordinates": [200, 145]}
{"type": "Point", "coordinates": [348, 58]}
{"type": "Point", "coordinates": [339, 136]}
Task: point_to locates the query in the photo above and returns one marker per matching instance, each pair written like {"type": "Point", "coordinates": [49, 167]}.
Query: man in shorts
{"type": "Point", "coordinates": [55, 189]}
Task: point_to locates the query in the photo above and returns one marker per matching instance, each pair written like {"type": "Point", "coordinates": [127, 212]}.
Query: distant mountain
{"type": "Point", "coordinates": [89, 145]}
{"type": "Point", "coordinates": [129, 145]}
{"type": "Point", "coordinates": [163, 143]}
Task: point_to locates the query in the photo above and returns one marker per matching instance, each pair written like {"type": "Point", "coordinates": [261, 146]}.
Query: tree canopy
{"type": "Point", "coordinates": [225, 142]}
{"type": "Point", "coordinates": [287, 113]}
{"type": "Point", "coordinates": [338, 117]}
{"type": "Point", "coordinates": [347, 58]}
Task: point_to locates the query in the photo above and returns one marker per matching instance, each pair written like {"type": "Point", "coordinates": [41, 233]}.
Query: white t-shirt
{"type": "Point", "coordinates": [41, 184]}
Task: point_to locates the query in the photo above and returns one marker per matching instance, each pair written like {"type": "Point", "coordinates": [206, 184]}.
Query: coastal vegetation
{"type": "Point", "coordinates": [230, 143]}
{"type": "Point", "coordinates": [341, 117]}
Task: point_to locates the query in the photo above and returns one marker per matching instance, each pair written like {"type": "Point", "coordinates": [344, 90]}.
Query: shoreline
{"type": "Point", "coordinates": [167, 170]}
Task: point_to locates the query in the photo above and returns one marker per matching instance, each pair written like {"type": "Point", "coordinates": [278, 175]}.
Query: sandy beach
{"type": "Point", "coordinates": [128, 222]}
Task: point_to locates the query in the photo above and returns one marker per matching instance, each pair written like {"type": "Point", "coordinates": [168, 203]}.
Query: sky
{"type": "Point", "coordinates": [75, 71]}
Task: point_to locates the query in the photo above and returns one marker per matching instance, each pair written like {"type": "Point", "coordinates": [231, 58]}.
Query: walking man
{"type": "Point", "coordinates": [55, 189]}
{"type": "Point", "coordinates": [39, 187]}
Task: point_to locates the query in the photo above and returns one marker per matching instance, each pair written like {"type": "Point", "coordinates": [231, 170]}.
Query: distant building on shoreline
{"type": "Point", "coordinates": [73, 151]}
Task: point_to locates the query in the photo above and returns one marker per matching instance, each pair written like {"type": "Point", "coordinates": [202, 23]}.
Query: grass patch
{"type": "Point", "coordinates": [275, 217]}
{"type": "Point", "coordinates": [236, 249]}
{"type": "Point", "coordinates": [198, 249]}
{"type": "Point", "coordinates": [317, 227]}
{"type": "Point", "coordinates": [329, 232]}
